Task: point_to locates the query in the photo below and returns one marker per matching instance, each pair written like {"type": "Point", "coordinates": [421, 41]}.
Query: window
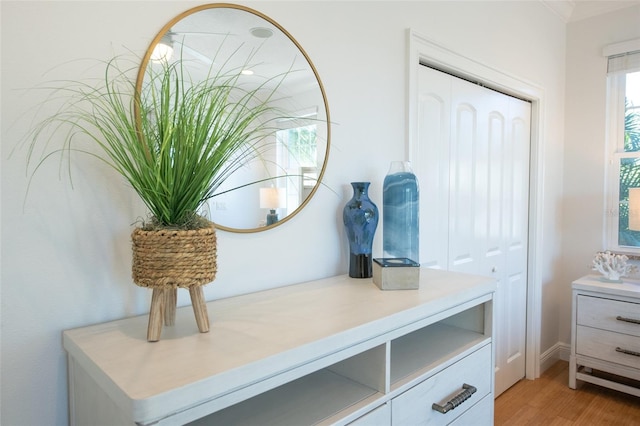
{"type": "Point", "coordinates": [298, 154]}
{"type": "Point", "coordinates": [300, 148]}
{"type": "Point", "coordinates": [623, 141]}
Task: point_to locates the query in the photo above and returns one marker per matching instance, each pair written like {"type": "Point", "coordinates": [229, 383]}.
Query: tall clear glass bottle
{"type": "Point", "coordinates": [400, 215]}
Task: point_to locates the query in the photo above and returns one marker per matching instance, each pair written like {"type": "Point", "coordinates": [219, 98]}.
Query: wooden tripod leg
{"type": "Point", "coordinates": [199, 308]}
{"type": "Point", "coordinates": [155, 315]}
{"type": "Point", "coordinates": [170, 301]}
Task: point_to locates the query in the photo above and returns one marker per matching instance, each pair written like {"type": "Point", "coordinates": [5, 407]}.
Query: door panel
{"type": "Point", "coordinates": [510, 358]}
{"type": "Point", "coordinates": [431, 157]}
{"type": "Point", "coordinates": [473, 165]}
{"type": "Point", "coordinates": [463, 254]}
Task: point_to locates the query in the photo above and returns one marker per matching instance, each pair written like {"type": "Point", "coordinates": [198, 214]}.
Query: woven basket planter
{"type": "Point", "coordinates": [174, 258]}
{"type": "Point", "coordinates": [167, 259]}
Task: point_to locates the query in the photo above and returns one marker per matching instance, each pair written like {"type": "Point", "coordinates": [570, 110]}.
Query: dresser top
{"type": "Point", "coordinates": [255, 336]}
{"type": "Point", "coordinates": [597, 283]}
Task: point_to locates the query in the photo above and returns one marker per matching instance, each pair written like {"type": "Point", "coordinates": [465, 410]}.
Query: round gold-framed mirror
{"type": "Point", "coordinates": [273, 188]}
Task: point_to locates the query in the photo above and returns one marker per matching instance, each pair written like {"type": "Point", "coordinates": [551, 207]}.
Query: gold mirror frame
{"type": "Point", "coordinates": [166, 29]}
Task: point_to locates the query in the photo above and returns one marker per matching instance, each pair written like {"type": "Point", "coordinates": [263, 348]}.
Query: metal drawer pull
{"type": "Point", "coordinates": [631, 320]}
{"type": "Point", "coordinates": [456, 400]}
{"type": "Point", "coordinates": [627, 351]}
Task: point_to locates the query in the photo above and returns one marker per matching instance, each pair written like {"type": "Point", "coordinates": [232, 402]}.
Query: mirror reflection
{"type": "Point", "coordinates": [275, 186]}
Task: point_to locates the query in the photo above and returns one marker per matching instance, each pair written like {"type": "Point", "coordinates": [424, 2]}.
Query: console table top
{"type": "Point", "coordinates": [256, 335]}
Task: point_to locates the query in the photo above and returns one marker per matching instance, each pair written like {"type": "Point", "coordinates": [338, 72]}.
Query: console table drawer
{"type": "Point", "coordinates": [414, 407]}
{"type": "Point", "coordinates": [479, 415]}
{"type": "Point", "coordinates": [608, 346]}
{"type": "Point", "coordinates": [608, 314]}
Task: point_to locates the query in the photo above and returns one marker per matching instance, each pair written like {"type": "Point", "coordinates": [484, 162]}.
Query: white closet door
{"type": "Point", "coordinates": [511, 324]}
{"type": "Point", "coordinates": [471, 157]}
{"type": "Point", "coordinates": [430, 162]}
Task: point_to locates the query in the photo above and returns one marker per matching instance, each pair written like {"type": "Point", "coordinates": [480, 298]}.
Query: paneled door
{"type": "Point", "coordinates": [471, 156]}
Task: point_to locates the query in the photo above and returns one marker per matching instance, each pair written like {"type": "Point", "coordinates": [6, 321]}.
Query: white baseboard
{"type": "Point", "coordinates": [559, 351]}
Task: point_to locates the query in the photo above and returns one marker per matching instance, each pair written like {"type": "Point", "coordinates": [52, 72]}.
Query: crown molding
{"type": "Point", "coordinates": [562, 8]}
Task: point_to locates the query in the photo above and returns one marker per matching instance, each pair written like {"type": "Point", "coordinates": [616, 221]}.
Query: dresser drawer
{"type": "Point", "coordinates": [602, 344]}
{"type": "Point", "coordinates": [607, 314]}
{"type": "Point", "coordinates": [414, 407]}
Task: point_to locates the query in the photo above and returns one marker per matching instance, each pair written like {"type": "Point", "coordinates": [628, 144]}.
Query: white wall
{"type": "Point", "coordinates": [66, 255]}
{"type": "Point", "coordinates": [584, 157]}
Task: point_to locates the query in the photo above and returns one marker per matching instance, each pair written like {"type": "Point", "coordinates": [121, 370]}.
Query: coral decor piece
{"type": "Point", "coordinates": [612, 266]}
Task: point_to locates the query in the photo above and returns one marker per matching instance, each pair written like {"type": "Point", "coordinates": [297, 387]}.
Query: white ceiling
{"type": "Point", "coordinates": [575, 10]}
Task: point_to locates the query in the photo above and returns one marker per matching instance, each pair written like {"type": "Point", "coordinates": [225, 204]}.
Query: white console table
{"type": "Point", "coordinates": [332, 351]}
{"type": "Point", "coordinates": [605, 338]}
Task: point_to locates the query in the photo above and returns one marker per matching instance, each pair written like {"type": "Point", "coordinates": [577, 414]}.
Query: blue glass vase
{"type": "Point", "coordinates": [400, 219]}
{"type": "Point", "coordinates": [360, 216]}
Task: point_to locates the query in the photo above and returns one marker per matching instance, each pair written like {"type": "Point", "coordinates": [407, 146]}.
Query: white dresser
{"type": "Point", "coordinates": [605, 338]}
{"type": "Point", "coordinates": [332, 351]}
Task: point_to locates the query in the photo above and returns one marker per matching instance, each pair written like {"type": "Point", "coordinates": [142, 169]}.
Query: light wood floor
{"type": "Point", "coordinates": [549, 401]}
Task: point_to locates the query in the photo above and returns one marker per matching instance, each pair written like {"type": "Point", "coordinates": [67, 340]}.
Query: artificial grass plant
{"type": "Point", "coordinates": [175, 141]}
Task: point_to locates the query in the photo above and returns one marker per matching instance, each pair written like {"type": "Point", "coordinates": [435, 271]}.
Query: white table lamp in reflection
{"type": "Point", "coordinates": [272, 199]}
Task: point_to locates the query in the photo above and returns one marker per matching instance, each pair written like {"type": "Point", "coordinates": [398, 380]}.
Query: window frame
{"type": "Point", "coordinates": [297, 191]}
{"type": "Point", "coordinates": [615, 138]}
